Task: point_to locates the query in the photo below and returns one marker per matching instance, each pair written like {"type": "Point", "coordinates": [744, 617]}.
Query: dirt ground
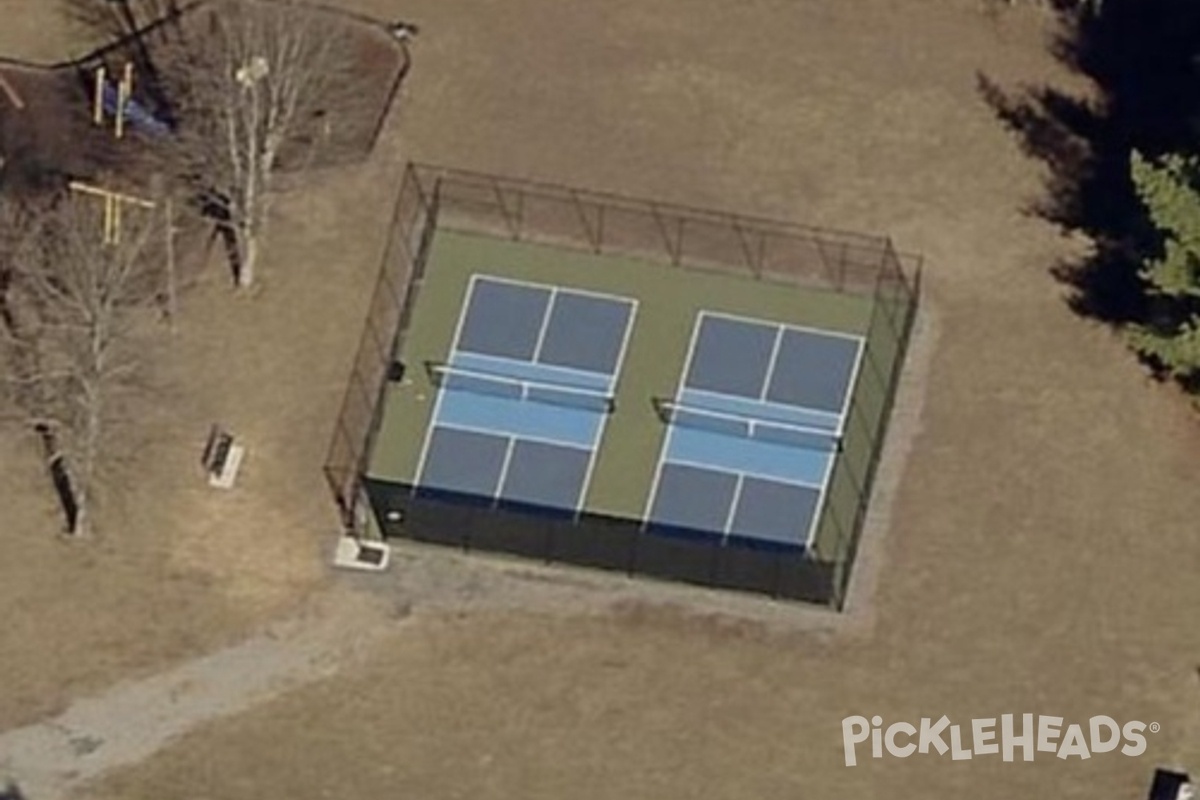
{"type": "Point", "coordinates": [53, 127]}
{"type": "Point", "coordinates": [157, 584]}
{"type": "Point", "coordinates": [1040, 557]}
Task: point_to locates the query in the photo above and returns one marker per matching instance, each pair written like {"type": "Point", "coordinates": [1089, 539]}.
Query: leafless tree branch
{"type": "Point", "coordinates": [69, 348]}
{"type": "Point", "coordinates": [262, 79]}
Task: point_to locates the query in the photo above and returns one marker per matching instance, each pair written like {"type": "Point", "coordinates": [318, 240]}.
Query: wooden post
{"type": "Point", "coordinates": [108, 220]}
{"type": "Point", "coordinates": [169, 215]}
{"type": "Point", "coordinates": [98, 97]}
{"type": "Point", "coordinates": [124, 90]}
{"type": "Point", "coordinates": [112, 207]}
{"type": "Point", "coordinates": [116, 220]}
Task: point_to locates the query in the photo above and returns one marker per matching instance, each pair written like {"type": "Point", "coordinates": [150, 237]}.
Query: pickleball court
{"type": "Point", "coordinates": [755, 427]}
{"type": "Point", "coordinates": [552, 399]}
{"type": "Point", "coordinates": [525, 393]}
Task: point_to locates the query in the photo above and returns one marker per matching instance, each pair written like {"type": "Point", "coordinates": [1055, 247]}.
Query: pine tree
{"type": "Point", "coordinates": [1169, 188]}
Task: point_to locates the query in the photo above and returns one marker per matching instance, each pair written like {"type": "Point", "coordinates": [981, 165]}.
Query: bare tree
{"type": "Point", "coordinates": [257, 80]}
{"type": "Point", "coordinates": [127, 21]}
{"type": "Point", "coordinates": [119, 19]}
{"type": "Point", "coordinates": [18, 220]}
{"type": "Point", "coordinates": [68, 340]}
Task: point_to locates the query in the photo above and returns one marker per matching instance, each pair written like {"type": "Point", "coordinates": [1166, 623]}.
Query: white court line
{"type": "Point", "coordinates": [522, 361]}
{"type": "Point", "coordinates": [851, 388]}
{"type": "Point", "coordinates": [512, 445]}
{"type": "Point", "coordinates": [487, 276]}
{"type": "Point", "coordinates": [525, 385]}
{"type": "Point", "coordinates": [819, 508]}
{"type": "Point", "coordinates": [582, 292]}
{"type": "Point", "coordinates": [556, 292]}
{"type": "Point", "coordinates": [709, 467]}
{"type": "Point", "coordinates": [484, 277]}
{"type": "Point", "coordinates": [733, 504]}
{"type": "Point", "coordinates": [435, 421]}
{"type": "Point", "coordinates": [454, 426]}
{"type": "Point", "coordinates": [666, 445]}
{"type": "Point", "coordinates": [858, 340]}
{"type": "Point", "coordinates": [766, 387]}
{"type": "Point", "coordinates": [789, 325]}
{"type": "Point", "coordinates": [541, 337]}
{"type": "Point", "coordinates": [612, 387]}
{"type": "Point", "coordinates": [429, 428]}
{"type": "Point", "coordinates": [548, 286]}
{"type": "Point", "coordinates": [742, 475]}
{"type": "Point", "coordinates": [764, 403]}
{"type": "Point", "coordinates": [752, 424]}
{"type": "Point", "coordinates": [841, 418]}
{"type": "Point", "coordinates": [629, 323]}
{"type": "Point", "coordinates": [437, 403]}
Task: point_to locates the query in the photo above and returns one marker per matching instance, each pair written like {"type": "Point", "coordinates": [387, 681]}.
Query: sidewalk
{"type": "Point", "coordinates": [131, 721]}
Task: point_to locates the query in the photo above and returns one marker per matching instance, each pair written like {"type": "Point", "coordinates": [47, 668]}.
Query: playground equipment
{"type": "Point", "coordinates": [113, 205]}
{"type": "Point", "coordinates": [117, 102]}
{"type": "Point", "coordinates": [113, 202]}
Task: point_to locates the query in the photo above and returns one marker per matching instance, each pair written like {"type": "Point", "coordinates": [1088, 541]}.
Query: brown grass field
{"type": "Point", "coordinates": [1040, 558]}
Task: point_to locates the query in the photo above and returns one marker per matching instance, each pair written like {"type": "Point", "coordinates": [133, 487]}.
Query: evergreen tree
{"type": "Point", "coordinates": [1169, 188]}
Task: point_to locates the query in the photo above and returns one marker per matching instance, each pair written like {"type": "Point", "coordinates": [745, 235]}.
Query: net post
{"type": "Point", "coordinates": [518, 388]}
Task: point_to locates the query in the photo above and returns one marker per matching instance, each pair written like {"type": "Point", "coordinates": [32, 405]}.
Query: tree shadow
{"type": "Point", "coordinates": [1142, 58]}
{"type": "Point", "coordinates": [214, 207]}
{"type": "Point", "coordinates": [130, 26]}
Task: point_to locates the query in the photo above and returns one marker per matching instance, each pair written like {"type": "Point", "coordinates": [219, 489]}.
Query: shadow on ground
{"type": "Point", "coordinates": [1142, 56]}
{"type": "Point", "coordinates": [47, 134]}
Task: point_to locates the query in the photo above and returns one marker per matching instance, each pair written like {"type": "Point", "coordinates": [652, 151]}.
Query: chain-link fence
{"type": "Point", "coordinates": [412, 226]}
{"type": "Point", "coordinates": [848, 492]}
{"type": "Point", "coordinates": [678, 235]}
{"type": "Point", "coordinates": [691, 239]}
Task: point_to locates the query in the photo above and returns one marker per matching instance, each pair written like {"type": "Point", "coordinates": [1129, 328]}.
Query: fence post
{"type": "Point", "coordinates": [412, 177]}
{"type": "Point", "coordinates": [753, 258]}
{"type": "Point", "coordinates": [844, 264]}
{"type": "Point", "coordinates": [513, 226]}
{"type": "Point", "coordinates": [679, 223]}
{"type": "Point", "coordinates": [580, 209]}
{"type": "Point", "coordinates": [838, 558]}
{"type": "Point", "coordinates": [841, 271]}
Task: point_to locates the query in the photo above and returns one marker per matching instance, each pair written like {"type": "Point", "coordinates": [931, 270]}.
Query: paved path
{"type": "Point", "coordinates": [132, 721]}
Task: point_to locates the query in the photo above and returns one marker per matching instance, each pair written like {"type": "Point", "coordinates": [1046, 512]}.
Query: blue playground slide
{"type": "Point", "coordinates": [135, 113]}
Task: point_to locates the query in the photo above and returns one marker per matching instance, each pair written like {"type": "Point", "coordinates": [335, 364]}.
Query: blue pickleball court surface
{"type": "Point", "coordinates": [525, 393]}
{"type": "Point", "coordinates": [754, 430]}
